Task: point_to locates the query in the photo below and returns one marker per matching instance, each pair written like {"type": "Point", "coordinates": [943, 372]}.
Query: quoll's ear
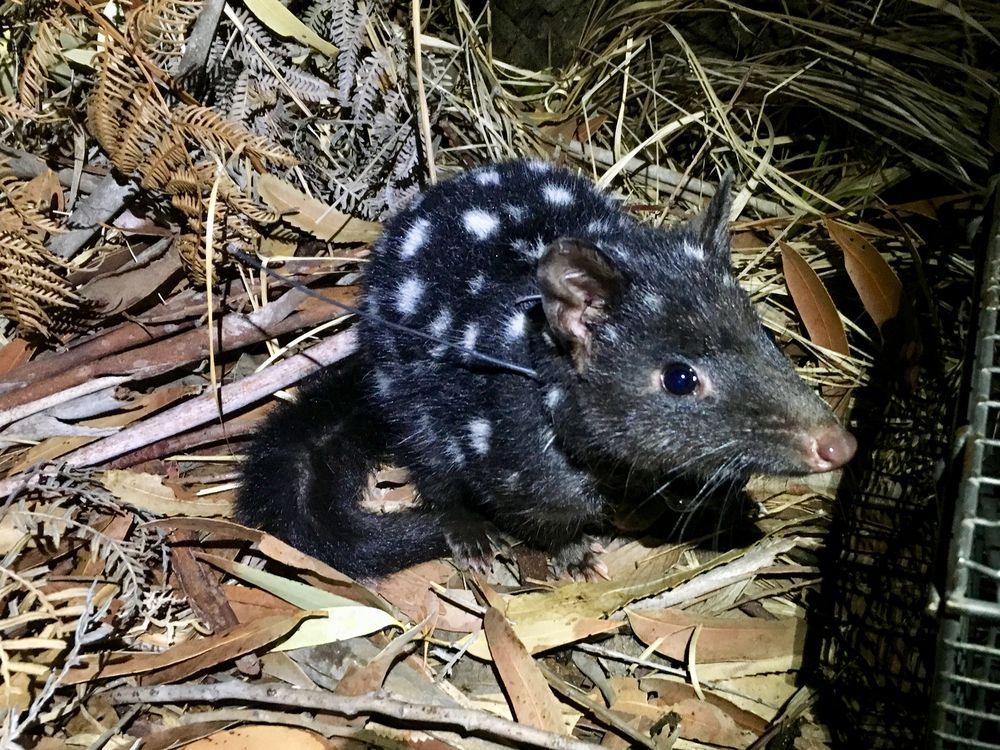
{"type": "Point", "coordinates": [712, 226]}
{"type": "Point", "coordinates": [578, 284]}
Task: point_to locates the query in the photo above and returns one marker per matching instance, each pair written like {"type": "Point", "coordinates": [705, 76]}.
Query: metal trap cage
{"type": "Point", "coordinates": [898, 673]}
{"type": "Point", "coordinates": [966, 699]}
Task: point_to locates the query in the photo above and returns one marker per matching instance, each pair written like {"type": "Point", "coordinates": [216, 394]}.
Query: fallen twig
{"type": "Point", "coordinates": [379, 704]}
{"type": "Point", "coordinates": [170, 353]}
{"type": "Point", "coordinates": [209, 406]}
{"type": "Point", "coordinates": [204, 408]}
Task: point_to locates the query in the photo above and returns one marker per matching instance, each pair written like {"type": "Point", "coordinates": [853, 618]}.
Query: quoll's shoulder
{"type": "Point", "coordinates": [457, 260]}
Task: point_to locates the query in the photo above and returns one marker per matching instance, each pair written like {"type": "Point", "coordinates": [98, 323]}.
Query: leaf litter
{"type": "Point", "coordinates": [120, 573]}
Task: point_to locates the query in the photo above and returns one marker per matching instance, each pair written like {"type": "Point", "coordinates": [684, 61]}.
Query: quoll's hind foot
{"type": "Point", "coordinates": [474, 546]}
{"type": "Point", "coordinates": [580, 560]}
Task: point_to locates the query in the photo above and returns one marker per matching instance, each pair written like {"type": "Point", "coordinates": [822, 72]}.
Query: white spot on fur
{"type": "Point", "coordinates": [597, 227]}
{"type": "Point", "coordinates": [538, 248]}
{"type": "Point", "coordinates": [383, 383]}
{"type": "Point", "coordinates": [416, 238]}
{"type": "Point", "coordinates": [516, 213]}
{"type": "Point", "coordinates": [476, 283]}
{"type": "Point", "coordinates": [469, 336]}
{"type": "Point", "coordinates": [408, 295]}
{"type": "Point", "coordinates": [480, 223]}
{"type": "Point", "coordinates": [454, 452]}
{"type": "Point", "coordinates": [480, 431]}
{"type": "Point", "coordinates": [557, 195]}
{"type": "Point", "coordinates": [553, 397]}
{"type": "Point", "coordinates": [694, 251]}
{"type": "Point", "coordinates": [652, 301]}
{"type": "Point", "coordinates": [512, 480]}
{"type": "Point", "coordinates": [548, 340]}
{"type": "Point", "coordinates": [488, 177]}
{"type": "Point", "coordinates": [537, 165]}
{"type": "Point", "coordinates": [441, 322]}
{"type": "Point", "coordinates": [516, 324]}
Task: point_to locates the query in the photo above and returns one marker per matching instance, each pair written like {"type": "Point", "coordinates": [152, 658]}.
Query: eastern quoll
{"type": "Point", "coordinates": [635, 356]}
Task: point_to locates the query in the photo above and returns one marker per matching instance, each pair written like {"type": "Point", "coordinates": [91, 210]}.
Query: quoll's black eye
{"type": "Point", "coordinates": [680, 379]}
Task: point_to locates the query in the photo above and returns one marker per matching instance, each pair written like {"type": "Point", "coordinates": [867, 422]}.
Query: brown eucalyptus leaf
{"type": "Point", "coordinates": [669, 692]}
{"type": "Point", "coordinates": [253, 604]}
{"type": "Point", "coordinates": [14, 354]}
{"type": "Point", "coordinates": [813, 301]}
{"type": "Point", "coordinates": [719, 639]}
{"type": "Point", "coordinates": [150, 492]}
{"type": "Point", "coordinates": [703, 722]}
{"type": "Point", "coordinates": [530, 696]}
{"type": "Point", "coordinates": [312, 215]}
{"type": "Point", "coordinates": [407, 590]}
{"type": "Point", "coordinates": [137, 280]}
{"type": "Point", "coordinates": [262, 737]}
{"type": "Point", "coordinates": [878, 285]}
{"type": "Point", "coordinates": [190, 657]}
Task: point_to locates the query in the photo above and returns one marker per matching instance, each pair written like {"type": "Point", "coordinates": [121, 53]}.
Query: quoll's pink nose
{"type": "Point", "coordinates": [830, 449]}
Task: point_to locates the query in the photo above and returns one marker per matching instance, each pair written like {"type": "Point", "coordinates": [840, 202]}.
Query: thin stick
{"type": "Point", "coordinates": [425, 119]}
{"type": "Point", "coordinates": [379, 703]}
{"type": "Point", "coordinates": [205, 408]}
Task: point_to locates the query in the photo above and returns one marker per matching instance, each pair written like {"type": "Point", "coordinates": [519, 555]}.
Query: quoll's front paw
{"type": "Point", "coordinates": [475, 548]}
{"type": "Point", "coordinates": [580, 560]}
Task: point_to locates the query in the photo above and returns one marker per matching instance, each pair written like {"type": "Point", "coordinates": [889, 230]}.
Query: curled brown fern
{"type": "Point", "coordinates": [33, 291]}
{"type": "Point", "coordinates": [43, 54]}
{"type": "Point", "coordinates": [225, 138]}
{"type": "Point", "coordinates": [176, 147]}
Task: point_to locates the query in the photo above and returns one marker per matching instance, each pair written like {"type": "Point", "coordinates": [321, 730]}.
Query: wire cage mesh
{"type": "Point", "coordinates": [877, 651]}
{"type": "Point", "coordinates": [966, 708]}
{"type": "Point", "coordinates": [889, 546]}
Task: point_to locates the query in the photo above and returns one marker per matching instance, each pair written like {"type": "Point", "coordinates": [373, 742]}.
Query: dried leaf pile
{"type": "Point", "coordinates": [146, 147]}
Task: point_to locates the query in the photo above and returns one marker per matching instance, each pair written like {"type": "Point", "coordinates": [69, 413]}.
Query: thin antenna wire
{"type": "Point", "coordinates": [484, 358]}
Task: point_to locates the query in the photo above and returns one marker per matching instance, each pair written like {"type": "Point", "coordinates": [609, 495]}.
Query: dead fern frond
{"type": "Point", "coordinates": [188, 203]}
{"type": "Point", "coordinates": [160, 29]}
{"type": "Point", "coordinates": [191, 248]}
{"type": "Point", "coordinates": [30, 287]}
{"type": "Point", "coordinates": [170, 157]}
{"type": "Point", "coordinates": [12, 111]}
{"type": "Point", "coordinates": [145, 125]}
{"type": "Point", "coordinates": [230, 229]}
{"type": "Point", "coordinates": [343, 23]}
{"type": "Point", "coordinates": [117, 79]}
{"type": "Point", "coordinates": [17, 214]}
{"type": "Point", "coordinates": [45, 52]}
{"type": "Point", "coordinates": [239, 201]}
{"type": "Point", "coordinates": [194, 179]}
{"type": "Point", "coordinates": [224, 138]}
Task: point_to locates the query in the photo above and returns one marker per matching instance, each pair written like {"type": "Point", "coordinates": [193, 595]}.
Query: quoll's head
{"type": "Point", "coordinates": [670, 363]}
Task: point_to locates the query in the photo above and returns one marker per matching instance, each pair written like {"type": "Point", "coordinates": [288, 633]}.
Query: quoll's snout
{"type": "Point", "coordinates": [828, 448]}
